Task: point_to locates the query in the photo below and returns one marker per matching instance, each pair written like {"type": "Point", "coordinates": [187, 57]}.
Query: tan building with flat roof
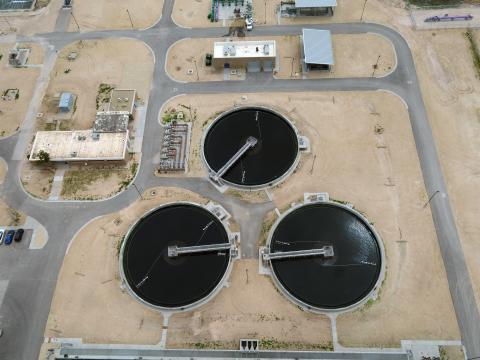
{"type": "Point", "coordinates": [122, 100]}
{"type": "Point", "coordinates": [82, 145]}
{"type": "Point", "coordinates": [254, 55]}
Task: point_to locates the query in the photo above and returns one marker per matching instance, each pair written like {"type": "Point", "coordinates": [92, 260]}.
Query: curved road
{"type": "Point", "coordinates": [32, 275]}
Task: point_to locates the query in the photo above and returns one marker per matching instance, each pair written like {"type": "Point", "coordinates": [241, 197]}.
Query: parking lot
{"type": "Point", "coordinates": [24, 243]}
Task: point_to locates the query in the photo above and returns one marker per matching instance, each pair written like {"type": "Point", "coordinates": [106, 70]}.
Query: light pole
{"type": "Point", "coordinates": [138, 191]}
{"type": "Point", "coordinates": [74, 19]}
{"type": "Point", "coordinates": [430, 199]}
{"type": "Point", "coordinates": [130, 18]}
{"type": "Point", "coordinates": [376, 65]}
{"type": "Point", "coordinates": [196, 69]}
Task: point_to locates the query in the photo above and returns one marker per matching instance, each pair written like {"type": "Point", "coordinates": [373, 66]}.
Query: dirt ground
{"type": "Point", "coordinates": [114, 14]}
{"type": "Point", "coordinates": [12, 112]}
{"type": "Point", "coordinates": [95, 65]}
{"type": "Point", "coordinates": [353, 58]}
{"type": "Point", "coordinates": [37, 179]}
{"type": "Point", "coordinates": [451, 93]}
{"type": "Point", "coordinates": [251, 307]}
{"type": "Point", "coordinates": [96, 182]}
{"type": "Point", "coordinates": [372, 163]}
{"type": "Point", "coordinates": [188, 13]}
{"type": "Point", "coordinates": [96, 309]}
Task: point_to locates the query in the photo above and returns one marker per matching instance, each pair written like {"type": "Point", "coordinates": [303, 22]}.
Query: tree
{"type": "Point", "coordinates": [43, 156]}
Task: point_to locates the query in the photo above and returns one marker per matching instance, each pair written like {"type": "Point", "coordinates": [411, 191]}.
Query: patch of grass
{"type": "Point", "coordinates": [64, 125]}
{"type": "Point", "coordinates": [78, 180]}
{"type": "Point", "coordinates": [434, 3]}
{"type": "Point", "coordinates": [15, 216]}
{"type": "Point", "coordinates": [104, 92]}
{"type": "Point", "coordinates": [266, 226]}
{"type": "Point", "coordinates": [133, 168]}
{"type": "Point", "coordinates": [119, 245]}
{"type": "Point", "coordinates": [49, 127]}
{"type": "Point", "coordinates": [273, 344]}
{"type": "Point", "coordinates": [208, 345]}
{"type": "Point", "coordinates": [474, 51]}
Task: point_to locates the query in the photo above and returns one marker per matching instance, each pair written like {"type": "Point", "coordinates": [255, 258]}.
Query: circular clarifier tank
{"type": "Point", "coordinates": [174, 282]}
{"type": "Point", "coordinates": [273, 156]}
{"type": "Point", "coordinates": [335, 282]}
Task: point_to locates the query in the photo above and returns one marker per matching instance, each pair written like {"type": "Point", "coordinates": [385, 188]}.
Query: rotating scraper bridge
{"type": "Point", "coordinates": [62, 220]}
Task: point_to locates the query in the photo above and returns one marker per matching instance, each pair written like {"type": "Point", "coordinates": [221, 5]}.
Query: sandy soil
{"type": "Point", "coordinates": [112, 14]}
{"type": "Point", "coordinates": [353, 58]}
{"type": "Point", "coordinates": [96, 309]}
{"type": "Point", "coordinates": [12, 112]}
{"type": "Point", "coordinates": [37, 179]}
{"type": "Point", "coordinates": [378, 171]}
{"type": "Point", "coordinates": [451, 93]}
{"type": "Point", "coordinates": [189, 13]}
{"type": "Point", "coordinates": [96, 182]}
{"type": "Point", "coordinates": [251, 307]}
{"type": "Point", "coordinates": [94, 66]}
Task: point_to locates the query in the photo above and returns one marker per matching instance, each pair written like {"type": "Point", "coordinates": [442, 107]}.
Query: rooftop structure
{"type": "Point", "coordinates": [82, 145]}
{"type": "Point", "coordinates": [111, 122]}
{"type": "Point", "coordinates": [244, 49]}
{"type": "Point", "coordinates": [317, 49]}
{"type": "Point", "coordinates": [122, 100]}
{"type": "Point", "coordinates": [315, 3]}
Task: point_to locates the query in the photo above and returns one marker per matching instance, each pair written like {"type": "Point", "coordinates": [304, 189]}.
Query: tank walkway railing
{"type": "Point", "coordinates": [251, 142]}
{"type": "Point", "coordinates": [174, 251]}
{"type": "Point", "coordinates": [326, 251]}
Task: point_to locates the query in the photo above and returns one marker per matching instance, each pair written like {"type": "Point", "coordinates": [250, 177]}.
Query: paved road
{"type": "Point", "coordinates": [32, 274]}
{"type": "Point", "coordinates": [100, 353]}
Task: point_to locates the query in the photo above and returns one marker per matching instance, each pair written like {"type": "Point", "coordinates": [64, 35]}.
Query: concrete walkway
{"type": "Point", "coordinates": [57, 182]}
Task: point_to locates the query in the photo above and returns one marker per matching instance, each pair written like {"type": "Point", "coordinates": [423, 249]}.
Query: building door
{"type": "Point", "coordinates": [253, 66]}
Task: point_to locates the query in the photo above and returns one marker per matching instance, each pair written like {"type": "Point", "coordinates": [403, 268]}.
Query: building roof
{"type": "Point", "coordinates": [317, 47]}
{"type": "Point", "coordinates": [122, 100]}
{"type": "Point", "coordinates": [315, 3]}
{"type": "Point", "coordinates": [65, 99]}
{"type": "Point", "coordinates": [82, 145]}
{"type": "Point", "coordinates": [244, 49]}
{"type": "Point", "coordinates": [111, 121]}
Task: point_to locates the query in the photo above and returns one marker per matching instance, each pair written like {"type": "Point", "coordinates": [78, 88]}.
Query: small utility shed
{"type": "Point", "coordinates": [317, 50]}
{"type": "Point", "coordinates": [307, 8]}
{"type": "Point", "coordinates": [66, 102]}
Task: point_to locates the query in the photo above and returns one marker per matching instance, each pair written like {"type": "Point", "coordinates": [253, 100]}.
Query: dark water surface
{"type": "Point", "coordinates": [271, 158]}
{"type": "Point", "coordinates": [175, 282]}
{"type": "Point", "coordinates": [327, 283]}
